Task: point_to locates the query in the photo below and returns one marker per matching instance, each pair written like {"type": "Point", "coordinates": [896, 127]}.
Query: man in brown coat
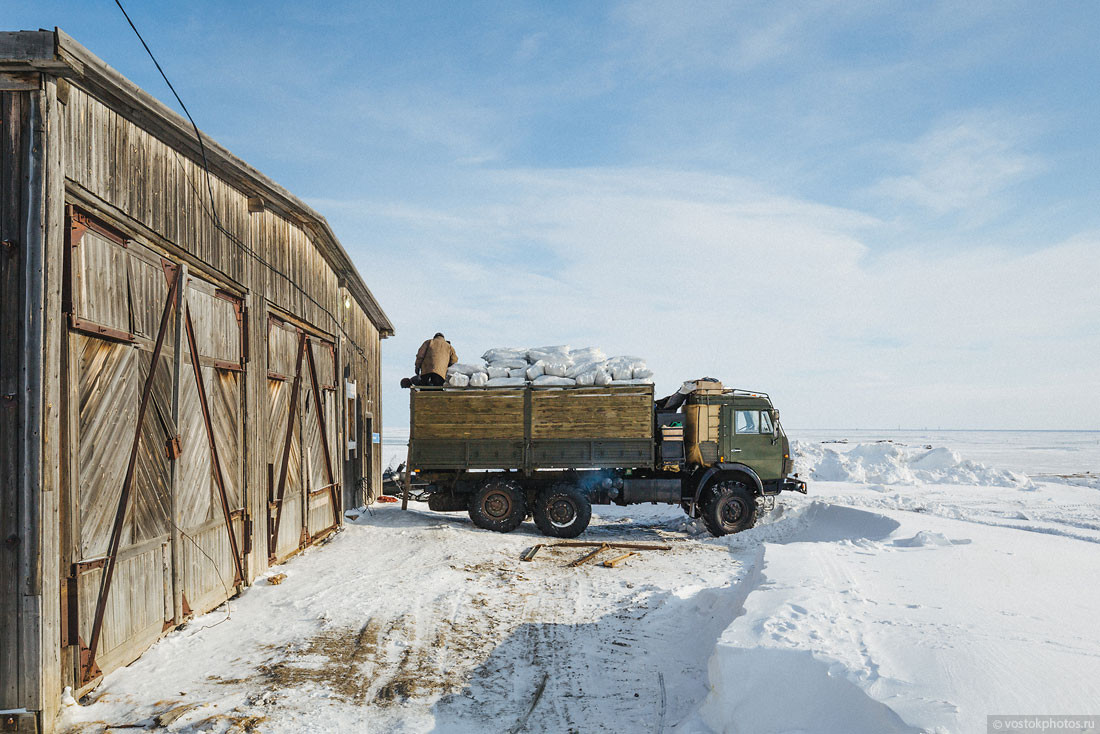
{"type": "Point", "coordinates": [432, 360]}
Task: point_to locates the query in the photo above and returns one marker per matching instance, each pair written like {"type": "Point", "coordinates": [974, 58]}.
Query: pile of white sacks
{"type": "Point", "coordinates": [508, 367]}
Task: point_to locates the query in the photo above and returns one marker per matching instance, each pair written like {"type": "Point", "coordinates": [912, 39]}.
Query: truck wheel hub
{"type": "Point", "coordinates": [731, 512]}
{"type": "Point", "coordinates": [497, 505]}
{"type": "Point", "coordinates": [562, 513]}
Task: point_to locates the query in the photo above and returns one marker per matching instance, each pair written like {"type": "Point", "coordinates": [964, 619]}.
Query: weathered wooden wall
{"type": "Point", "coordinates": [104, 204]}
{"type": "Point", "coordinates": [365, 369]}
{"type": "Point", "coordinates": [157, 196]}
{"type": "Point", "coordinates": [13, 114]}
{"type": "Point", "coordinates": [31, 200]}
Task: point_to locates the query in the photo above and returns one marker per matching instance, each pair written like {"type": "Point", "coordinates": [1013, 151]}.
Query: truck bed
{"type": "Point", "coordinates": [531, 428]}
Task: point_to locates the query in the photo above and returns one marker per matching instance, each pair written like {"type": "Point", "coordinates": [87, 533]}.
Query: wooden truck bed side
{"type": "Point", "coordinates": [531, 428]}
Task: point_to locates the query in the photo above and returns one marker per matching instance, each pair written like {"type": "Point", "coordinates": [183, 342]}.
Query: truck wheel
{"type": "Point", "coordinates": [730, 507]}
{"type": "Point", "coordinates": [498, 504]}
{"type": "Point", "coordinates": [562, 511]}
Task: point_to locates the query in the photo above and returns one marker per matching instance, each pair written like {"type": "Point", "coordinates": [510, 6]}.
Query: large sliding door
{"type": "Point", "coordinates": [155, 510]}
{"type": "Point", "coordinates": [303, 486]}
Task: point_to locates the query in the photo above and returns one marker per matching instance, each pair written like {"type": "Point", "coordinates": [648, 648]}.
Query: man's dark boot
{"type": "Point", "coordinates": [406, 382]}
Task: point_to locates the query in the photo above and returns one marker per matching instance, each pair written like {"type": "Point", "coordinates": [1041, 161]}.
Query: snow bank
{"type": "Point", "coordinates": [814, 698]}
{"type": "Point", "coordinates": [928, 539]}
{"type": "Point", "coordinates": [902, 621]}
{"type": "Point", "coordinates": [889, 463]}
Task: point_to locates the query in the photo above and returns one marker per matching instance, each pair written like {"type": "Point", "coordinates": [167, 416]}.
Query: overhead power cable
{"type": "Point", "coordinates": [213, 211]}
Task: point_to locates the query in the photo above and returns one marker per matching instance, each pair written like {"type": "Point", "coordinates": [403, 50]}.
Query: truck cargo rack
{"type": "Point", "coordinates": [747, 393]}
{"type": "Point", "coordinates": [531, 427]}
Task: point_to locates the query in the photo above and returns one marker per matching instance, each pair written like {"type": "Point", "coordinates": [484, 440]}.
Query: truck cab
{"type": "Point", "coordinates": [734, 451]}
{"type": "Point", "coordinates": [738, 427]}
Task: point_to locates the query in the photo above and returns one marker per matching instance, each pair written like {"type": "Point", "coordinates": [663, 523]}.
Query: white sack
{"type": "Point", "coordinates": [550, 354]}
{"type": "Point", "coordinates": [465, 369]}
{"type": "Point", "coordinates": [509, 364]}
{"type": "Point", "coordinates": [588, 378]}
{"type": "Point", "coordinates": [626, 361]}
{"type": "Point", "coordinates": [642, 374]}
{"type": "Point", "coordinates": [580, 368]}
{"type": "Point", "coordinates": [601, 378]}
{"type": "Point", "coordinates": [506, 382]}
{"type": "Point", "coordinates": [479, 379]}
{"type": "Point", "coordinates": [495, 372]}
{"type": "Point", "coordinates": [632, 382]}
{"type": "Point", "coordinates": [587, 354]}
{"type": "Point", "coordinates": [622, 372]}
{"type": "Point", "coordinates": [622, 368]}
{"type": "Point", "coordinates": [457, 379]}
{"type": "Point", "coordinates": [536, 370]}
{"type": "Point", "coordinates": [556, 369]}
{"type": "Point", "coordinates": [553, 380]}
{"type": "Point", "coordinates": [518, 372]}
{"type": "Point", "coordinates": [500, 353]}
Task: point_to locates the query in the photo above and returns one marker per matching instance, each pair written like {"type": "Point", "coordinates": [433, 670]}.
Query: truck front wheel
{"type": "Point", "coordinates": [730, 507]}
{"type": "Point", "coordinates": [498, 505]}
{"type": "Point", "coordinates": [562, 511]}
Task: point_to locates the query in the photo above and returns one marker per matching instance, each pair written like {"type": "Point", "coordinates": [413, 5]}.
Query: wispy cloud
{"type": "Point", "coordinates": [705, 274]}
{"type": "Point", "coordinates": [961, 165]}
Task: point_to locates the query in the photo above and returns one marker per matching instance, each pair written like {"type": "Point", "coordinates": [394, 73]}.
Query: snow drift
{"type": "Point", "coordinates": [890, 463]}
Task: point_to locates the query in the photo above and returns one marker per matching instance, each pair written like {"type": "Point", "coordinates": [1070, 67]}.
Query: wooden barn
{"type": "Point", "coordinates": [189, 374]}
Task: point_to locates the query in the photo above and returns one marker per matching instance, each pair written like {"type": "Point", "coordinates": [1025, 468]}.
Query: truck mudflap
{"type": "Point", "coordinates": [793, 484]}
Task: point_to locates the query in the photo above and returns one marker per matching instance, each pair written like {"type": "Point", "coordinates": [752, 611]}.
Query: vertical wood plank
{"type": "Point", "coordinates": [175, 584]}
{"type": "Point", "coordinates": [12, 298]}
{"type": "Point", "coordinates": [53, 223]}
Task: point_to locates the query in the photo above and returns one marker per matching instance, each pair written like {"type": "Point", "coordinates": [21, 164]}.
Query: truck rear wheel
{"type": "Point", "coordinates": [730, 507]}
{"type": "Point", "coordinates": [562, 511]}
{"type": "Point", "coordinates": [498, 504]}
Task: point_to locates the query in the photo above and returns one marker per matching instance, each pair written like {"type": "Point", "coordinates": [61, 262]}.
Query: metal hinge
{"type": "Point", "coordinates": [19, 723]}
{"type": "Point", "coordinates": [173, 447]}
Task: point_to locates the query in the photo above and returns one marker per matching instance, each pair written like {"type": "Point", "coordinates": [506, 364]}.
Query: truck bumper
{"type": "Point", "coordinates": [792, 484]}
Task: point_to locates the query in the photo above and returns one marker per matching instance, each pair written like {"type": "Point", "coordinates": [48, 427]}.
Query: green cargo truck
{"type": "Point", "coordinates": [504, 454]}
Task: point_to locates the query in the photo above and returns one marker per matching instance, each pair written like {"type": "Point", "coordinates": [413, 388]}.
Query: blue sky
{"type": "Point", "coordinates": [884, 214]}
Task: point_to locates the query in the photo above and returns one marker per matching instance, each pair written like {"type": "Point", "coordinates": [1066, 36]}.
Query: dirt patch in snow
{"type": "Point", "coordinates": [359, 665]}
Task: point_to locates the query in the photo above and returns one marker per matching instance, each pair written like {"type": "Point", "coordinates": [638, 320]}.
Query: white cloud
{"type": "Point", "coordinates": [961, 166]}
{"type": "Point", "coordinates": [713, 275]}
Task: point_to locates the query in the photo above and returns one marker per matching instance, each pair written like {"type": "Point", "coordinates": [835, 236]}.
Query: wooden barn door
{"type": "Point", "coordinates": [121, 302]}
{"type": "Point", "coordinates": [303, 489]}
{"type": "Point", "coordinates": [319, 432]}
{"type": "Point", "coordinates": [210, 497]}
{"type": "Point", "coordinates": [155, 509]}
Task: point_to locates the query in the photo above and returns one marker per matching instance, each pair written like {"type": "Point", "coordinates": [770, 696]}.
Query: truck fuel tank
{"type": "Point", "coordinates": [636, 491]}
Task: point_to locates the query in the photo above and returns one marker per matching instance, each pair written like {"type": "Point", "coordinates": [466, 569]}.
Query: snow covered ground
{"type": "Point", "coordinates": [912, 590]}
